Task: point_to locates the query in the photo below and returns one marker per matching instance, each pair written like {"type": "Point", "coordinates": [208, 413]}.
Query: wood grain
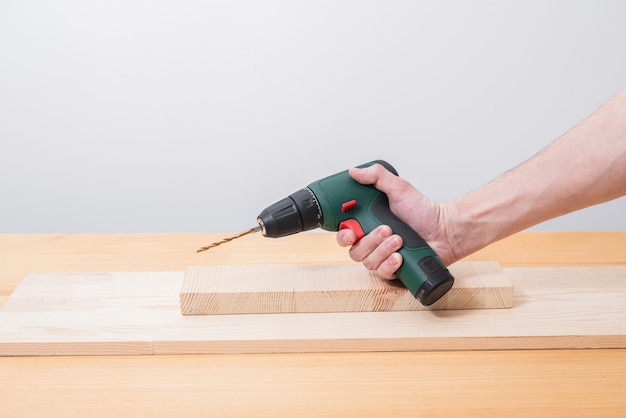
{"type": "Point", "coordinates": [139, 313]}
{"type": "Point", "coordinates": [297, 288]}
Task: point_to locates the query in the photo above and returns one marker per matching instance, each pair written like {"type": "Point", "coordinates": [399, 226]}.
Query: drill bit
{"type": "Point", "coordinates": [225, 240]}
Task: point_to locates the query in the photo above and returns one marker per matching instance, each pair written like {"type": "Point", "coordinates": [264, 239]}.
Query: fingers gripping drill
{"type": "Point", "coordinates": [338, 202]}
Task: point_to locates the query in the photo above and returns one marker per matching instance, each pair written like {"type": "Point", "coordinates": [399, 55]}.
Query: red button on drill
{"type": "Point", "coordinates": [348, 206]}
{"type": "Point", "coordinates": [355, 226]}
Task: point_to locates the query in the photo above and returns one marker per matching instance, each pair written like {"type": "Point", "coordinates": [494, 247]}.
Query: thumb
{"type": "Point", "coordinates": [376, 175]}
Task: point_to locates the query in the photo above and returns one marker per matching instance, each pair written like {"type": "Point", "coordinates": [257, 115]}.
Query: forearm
{"type": "Point", "coordinates": [584, 167]}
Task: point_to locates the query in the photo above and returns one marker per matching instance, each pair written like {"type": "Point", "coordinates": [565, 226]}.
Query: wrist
{"type": "Point", "coordinates": [455, 229]}
{"type": "Point", "coordinates": [471, 224]}
{"type": "Point", "coordinates": [452, 248]}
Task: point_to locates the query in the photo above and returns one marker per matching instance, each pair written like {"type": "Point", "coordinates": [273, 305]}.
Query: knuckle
{"type": "Point", "coordinates": [386, 273]}
{"type": "Point", "coordinates": [355, 255]}
{"type": "Point", "coordinates": [370, 265]}
{"type": "Point", "coordinates": [386, 270]}
{"type": "Point", "coordinates": [383, 273]}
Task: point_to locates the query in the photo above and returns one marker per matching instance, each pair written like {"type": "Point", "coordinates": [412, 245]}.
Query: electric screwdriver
{"type": "Point", "coordinates": [337, 202]}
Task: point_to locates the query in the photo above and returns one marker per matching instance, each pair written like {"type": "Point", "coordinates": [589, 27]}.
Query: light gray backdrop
{"type": "Point", "coordinates": [192, 116]}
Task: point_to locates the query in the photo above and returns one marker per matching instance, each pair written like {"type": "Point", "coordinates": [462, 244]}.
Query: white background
{"type": "Point", "coordinates": [192, 116]}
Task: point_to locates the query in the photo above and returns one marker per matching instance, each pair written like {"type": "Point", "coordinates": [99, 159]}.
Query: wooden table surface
{"type": "Point", "coordinates": [520, 383]}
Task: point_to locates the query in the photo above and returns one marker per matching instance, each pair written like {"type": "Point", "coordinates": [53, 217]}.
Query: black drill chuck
{"type": "Point", "coordinates": [297, 212]}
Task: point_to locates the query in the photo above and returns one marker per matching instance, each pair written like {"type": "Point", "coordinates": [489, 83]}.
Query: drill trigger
{"type": "Point", "coordinates": [355, 226]}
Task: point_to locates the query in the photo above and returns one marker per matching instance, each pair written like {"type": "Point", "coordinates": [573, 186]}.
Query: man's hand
{"type": "Point", "coordinates": [378, 249]}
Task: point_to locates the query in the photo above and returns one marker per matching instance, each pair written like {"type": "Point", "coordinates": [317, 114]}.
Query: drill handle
{"type": "Point", "coordinates": [410, 238]}
{"type": "Point", "coordinates": [422, 272]}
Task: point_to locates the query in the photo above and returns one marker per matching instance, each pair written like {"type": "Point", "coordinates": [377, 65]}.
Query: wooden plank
{"type": "Point", "coordinates": [139, 313]}
{"type": "Point", "coordinates": [298, 288]}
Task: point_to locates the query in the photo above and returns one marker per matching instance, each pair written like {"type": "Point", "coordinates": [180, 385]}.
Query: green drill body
{"type": "Point", "coordinates": [337, 202]}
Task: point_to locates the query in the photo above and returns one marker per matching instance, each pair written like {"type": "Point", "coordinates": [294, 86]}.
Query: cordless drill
{"type": "Point", "coordinates": [337, 202]}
